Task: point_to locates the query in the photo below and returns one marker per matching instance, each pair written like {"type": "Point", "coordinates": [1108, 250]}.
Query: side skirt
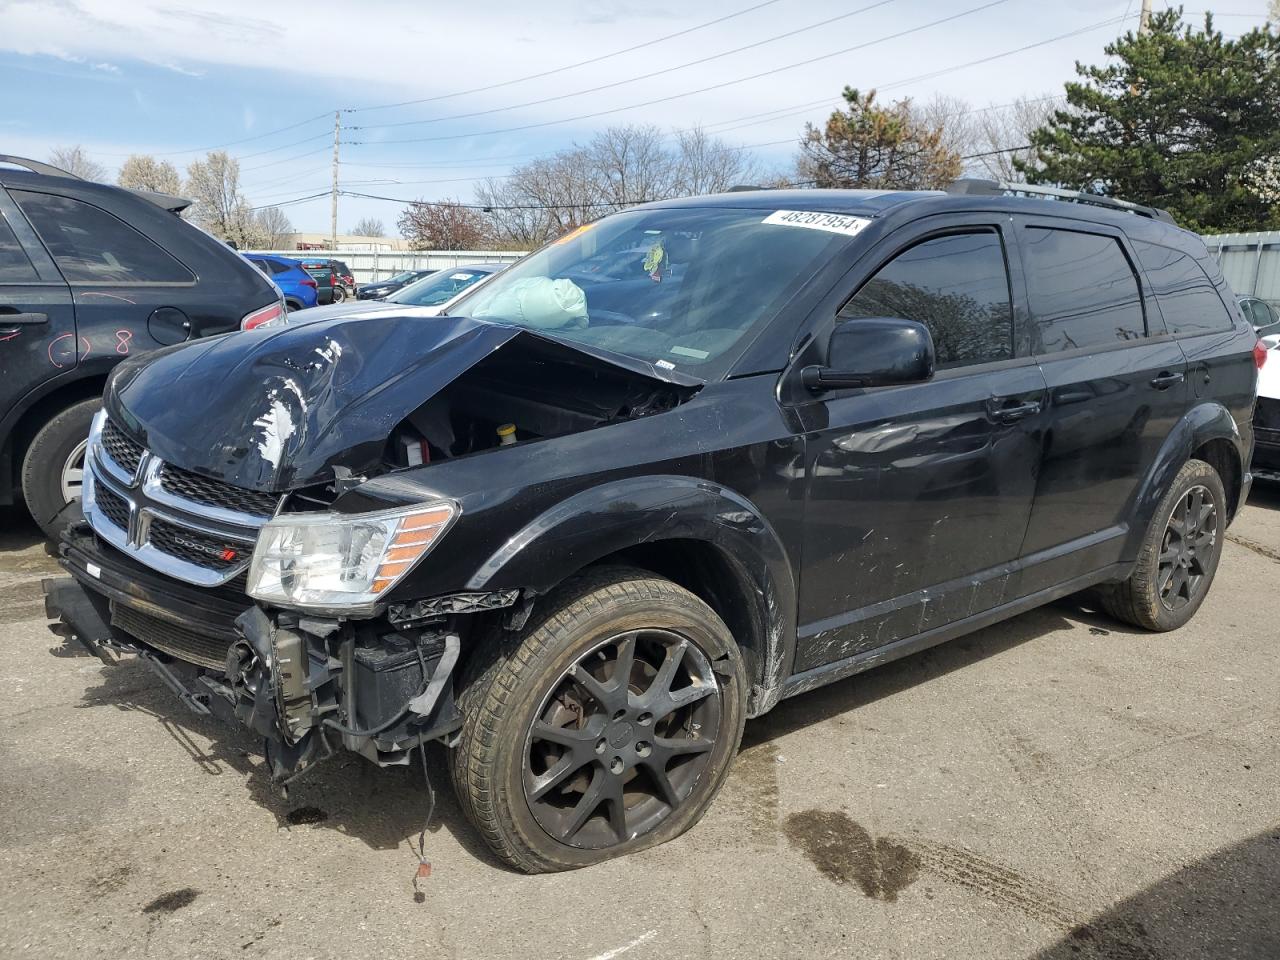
{"type": "Point", "coordinates": [858, 663]}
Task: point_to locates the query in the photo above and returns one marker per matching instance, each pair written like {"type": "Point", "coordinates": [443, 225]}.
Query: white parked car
{"type": "Point", "coordinates": [428, 296]}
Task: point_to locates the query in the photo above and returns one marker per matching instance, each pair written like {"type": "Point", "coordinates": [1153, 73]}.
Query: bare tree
{"type": "Point", "coordinates": [143, 172]}
{"type": "Point", "coordinates": [618, 167]}
{"type": "Point", "coordinates": [214, 184]}
{"type": "Point", "coordinates": [1003, 132]}
{"type": "Point", "coordinates": [706, 164]}
{"type": "Point", "coordinates": [630, 165]}
{"type": "Point", "coordinates": [542, 199]}
{"type": "Point", "coordinates": [274, 227]}
{"type": "Point", "coordinates": [444, 225]}
{"type": "Point", "coordinates": [955, 120]}
{"type": "Point", "coordinates": [1273, 11]}
{"type": "Point", "coordinates": [369, 227]}
{"type": "Point", "coordinates": [75, 161]}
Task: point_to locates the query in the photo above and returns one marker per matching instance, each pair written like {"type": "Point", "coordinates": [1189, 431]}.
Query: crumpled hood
{"type": "Point", "coordinates": [279, 408]}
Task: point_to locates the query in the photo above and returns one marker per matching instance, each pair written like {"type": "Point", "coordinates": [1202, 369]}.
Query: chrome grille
{"type": "Point", "coordinates": [114, 507]}
{"type": "Point", "coordinates": [174, 521]}
{"type": "Point", "coordinates": [184, 483]}
{"type": "Point", "coordinates": [125, 452]}
{"type": "Point", "coordinates": [196, 547]}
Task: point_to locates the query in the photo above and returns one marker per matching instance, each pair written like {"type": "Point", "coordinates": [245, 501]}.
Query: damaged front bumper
{"type": "Point", "coordinates": [307, 685]}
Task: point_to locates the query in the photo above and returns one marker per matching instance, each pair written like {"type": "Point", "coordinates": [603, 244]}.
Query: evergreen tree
{"type": "Point", "coordinates": [1177, 118]}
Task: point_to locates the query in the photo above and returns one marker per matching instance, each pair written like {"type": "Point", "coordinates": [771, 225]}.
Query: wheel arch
{"type": "Point", "coordinates": [1207, 431]}
{"type": "Point", "coordinates": [702, 536]}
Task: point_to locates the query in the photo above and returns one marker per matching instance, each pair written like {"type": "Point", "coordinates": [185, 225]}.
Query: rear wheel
{"type": "Point", "coordinates": [53, 466]}
{"type": "Point", "coordinates": [1179, 554]}
{"type": "Point", "coordinates": [339, 293]}
{"type": "Point", "coordinates": [605, 727]}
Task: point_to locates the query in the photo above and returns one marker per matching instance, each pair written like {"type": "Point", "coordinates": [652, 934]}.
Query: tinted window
{"type": "Point", "coordinates": [91, 246]}
{"type": "Point", "coordinates": [1188, 300]}
{"type": "Point", "coordinates": [955, 285]}
{"type": "Point", "coordinates": [14, 265]}
{"type": "Point", "coordinates": [1082, 290]}
{"type": "Point", "coordinates": [263, 265]}
{"type": "Point", "coordinates": [279, 266]}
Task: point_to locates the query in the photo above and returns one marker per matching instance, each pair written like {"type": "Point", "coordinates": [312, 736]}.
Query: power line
{"type": "Point", "coordinates": [620, 83]}
{"type": "Point", "coordinates": [715, 86]}
{"type": "Point", "coordinates": [230, 143]}
{"type": "Point", "coordinates": [571, 66]}
{"type": "Point", "coordinates": [997, 56]}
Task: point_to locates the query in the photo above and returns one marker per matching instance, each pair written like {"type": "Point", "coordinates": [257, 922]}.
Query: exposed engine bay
{"type": "Point", "coordinates": [537, 387]}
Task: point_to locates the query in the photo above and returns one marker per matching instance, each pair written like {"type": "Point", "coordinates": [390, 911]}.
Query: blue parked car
{"type": "Point", "coordinates": [298, 286]}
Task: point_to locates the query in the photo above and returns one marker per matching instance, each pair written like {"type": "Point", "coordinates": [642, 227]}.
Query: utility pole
{"type": "Point", "coordinates": [333, 195]}
{"type": "Point", "coordinates": [1144, 20]}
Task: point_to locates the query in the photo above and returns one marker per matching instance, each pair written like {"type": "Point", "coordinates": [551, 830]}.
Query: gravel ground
{"type": "Point", "coordinates": [1058, 786]}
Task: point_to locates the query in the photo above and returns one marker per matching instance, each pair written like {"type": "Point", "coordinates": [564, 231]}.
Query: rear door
{"type": "Point", "coordinates": [1218, 347]}
{"type": "Point", "coordinates": [37, 318]}
{"type": "Point", "coordinates": [1117, 385]}
{"type": "Point", "coordinates": [918, 496]}
{"type": "Point", "coordinates": [119, 279]}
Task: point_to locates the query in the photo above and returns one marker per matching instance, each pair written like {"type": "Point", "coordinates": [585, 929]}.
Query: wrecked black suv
{"type": "Point", "coordinates": [675, 466]}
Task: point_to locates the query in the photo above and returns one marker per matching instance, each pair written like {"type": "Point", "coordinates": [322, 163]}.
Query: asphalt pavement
{"type": "Point", "coordinates": [1058, 786]}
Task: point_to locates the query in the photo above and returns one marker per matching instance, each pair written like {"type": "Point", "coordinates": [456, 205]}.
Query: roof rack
{"type": "Point", "coordinates": [992, 188]}
{"type": "Point", "coordinates": [35, 166]}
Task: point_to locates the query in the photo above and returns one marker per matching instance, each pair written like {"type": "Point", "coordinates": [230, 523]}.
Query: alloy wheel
{"type": "Point", "coordinates": [1190, 541]}
{"type": "Point", "coordinates": [622, 738]}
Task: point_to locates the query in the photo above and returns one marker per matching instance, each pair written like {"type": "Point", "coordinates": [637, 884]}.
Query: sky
{"type": "Point", "coordinates": [501, 82]}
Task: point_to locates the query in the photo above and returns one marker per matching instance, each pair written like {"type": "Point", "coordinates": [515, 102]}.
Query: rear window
{"type": "Point", "coordinates": [14, 265]}
{"type": "Point", "coordinates": [1082, 290]}
{"type": "Point", "coordinates": [92, 246]}
{"type": "Point", "coordinates": [1188, 299]}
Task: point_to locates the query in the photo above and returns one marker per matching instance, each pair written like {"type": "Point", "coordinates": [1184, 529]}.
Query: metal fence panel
{"type": "Point", "coordinates": [368, 266]}
{"type": "Point", "coordinates": [1250, 262]}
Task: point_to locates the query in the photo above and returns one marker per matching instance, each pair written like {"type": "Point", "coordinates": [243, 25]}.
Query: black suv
{"type": "Point", "coordinates": [677, 465]}
{"type": "Point", "coordinates": [89, 275]}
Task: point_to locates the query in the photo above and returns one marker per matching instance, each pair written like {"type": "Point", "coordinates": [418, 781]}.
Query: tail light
{"type": "Point", "coordinates": [1259, 354]}
{"type": "Point", "coordinates": [270, 314]}
{"type": "Point", "coordinates": [308, 283]}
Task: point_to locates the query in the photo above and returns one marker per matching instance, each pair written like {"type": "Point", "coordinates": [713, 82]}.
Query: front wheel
{"type": "Point", "coordinates": [53, 466]}
{"type": "Point", "coordinates": [606, 726]}
{"type": "Point", "coordinates": [1179, 554]}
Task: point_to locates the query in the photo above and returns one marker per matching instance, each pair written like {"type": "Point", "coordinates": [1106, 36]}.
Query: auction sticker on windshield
{"type": "Point", "coordinates": [813, 220]}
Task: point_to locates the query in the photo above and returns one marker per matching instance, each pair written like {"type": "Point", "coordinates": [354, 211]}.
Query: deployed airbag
{"type": "Point", "coordinates": [540, 303]}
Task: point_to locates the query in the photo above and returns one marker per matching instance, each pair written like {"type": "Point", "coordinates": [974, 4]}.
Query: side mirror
{"type": "Point", "coordinates": [873, 352]}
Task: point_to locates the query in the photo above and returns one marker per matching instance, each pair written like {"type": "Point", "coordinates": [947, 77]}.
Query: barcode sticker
{"type": "Point", "coordinates": [816, 220]}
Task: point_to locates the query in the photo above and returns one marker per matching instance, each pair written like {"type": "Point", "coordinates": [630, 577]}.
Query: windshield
{"type": "Point", "coordinates": [438, 288]}
{"type": "Point", "coordinates": [399, 277]}
{"type": "Point", "coordinates": [683, 288]}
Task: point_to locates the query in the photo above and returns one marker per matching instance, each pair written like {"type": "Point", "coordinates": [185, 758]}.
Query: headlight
{"type": "Point", "coordinates": [342, 562]}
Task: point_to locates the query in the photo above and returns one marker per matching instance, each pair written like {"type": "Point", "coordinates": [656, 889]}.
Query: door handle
{"type": "Point", "coordinates": [1165, 380]}
{"type": "Point", "coordinates": [22, 319]}
{"type": "Point", "coordinates": [1013, 412]}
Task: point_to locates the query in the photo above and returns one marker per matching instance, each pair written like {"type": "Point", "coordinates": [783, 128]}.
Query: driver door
{"type": "Point", "coordinates": [918, 496]}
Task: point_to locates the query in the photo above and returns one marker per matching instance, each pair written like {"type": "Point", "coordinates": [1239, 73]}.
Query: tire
{"type": "Point", "coordinates": [339, 293]}
{"type": "Point", "coordinates": [47, 456]}
{"type": "Point", "coordinates": [1156, 596]}
{"type": "Point", "coordinates": [509, 774]}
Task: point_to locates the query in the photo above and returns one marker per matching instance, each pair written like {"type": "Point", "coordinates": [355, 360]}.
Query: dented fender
{"type": "Point", "coordinates": [614, 516]}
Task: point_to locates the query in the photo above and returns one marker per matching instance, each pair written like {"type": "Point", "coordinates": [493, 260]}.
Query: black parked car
{"type": "Point", "coordinates": [89, 275]}
{"type": "Point", "coordinates": [580, 530]}
{"type": "Point", "coordinates": [381, 288]}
